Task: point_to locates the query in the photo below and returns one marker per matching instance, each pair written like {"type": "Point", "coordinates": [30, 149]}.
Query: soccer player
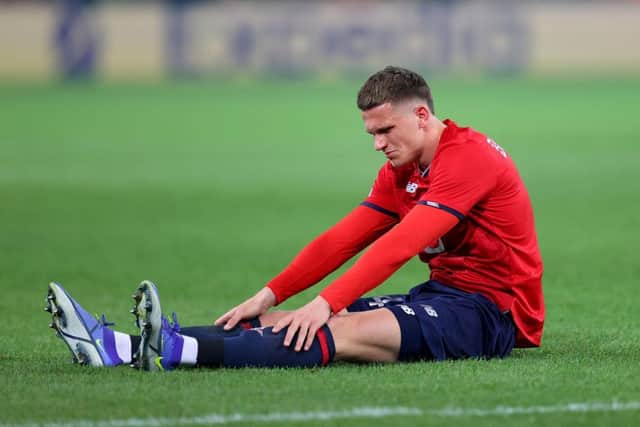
{"type": "Point", "coordinates": [448, 194]}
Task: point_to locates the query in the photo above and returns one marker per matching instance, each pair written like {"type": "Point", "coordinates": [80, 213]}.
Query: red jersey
{"type": "Point", "coordinates": [493, 249]}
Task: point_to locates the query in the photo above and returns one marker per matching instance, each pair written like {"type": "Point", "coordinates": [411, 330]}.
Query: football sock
{"type": "Point", "coordinates": [263, 348]}
{"type": "Point", "coordinates": [198, 332]}
{"type": "Point", "coordinates": [218, 331]}
{"type": "Point", "coordinates": [123, 344]}
{"type": "Point", "coordinates": [135, 345]}
{"type": "Point", "coordinates": [251, 323]}
{"type": "Point", "coordinates": [189, 354]}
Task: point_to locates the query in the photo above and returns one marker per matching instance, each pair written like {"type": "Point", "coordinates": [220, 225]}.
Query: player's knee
{"type": "Point", "coordinates": [337, 325]}
{"type": "Point", "coordinates": [346, 337]}
{"type": "Point", "coordinates": [347, 327]}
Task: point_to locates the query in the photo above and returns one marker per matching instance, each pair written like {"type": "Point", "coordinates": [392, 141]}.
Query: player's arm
{"type": "Point", "coordinates": [421, 228]}
{"type": "Point", "coordinates": [330, 250]}
{"type": "Point", "coordinates": [418, 230]}
{"type": "Point", "coordinates": [319, 258]}
{"type": "Point", "coordinates": [463, 174]}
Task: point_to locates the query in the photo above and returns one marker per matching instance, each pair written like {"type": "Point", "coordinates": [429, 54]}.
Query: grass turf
{"type": "Point", "coordinates": [209, 189]}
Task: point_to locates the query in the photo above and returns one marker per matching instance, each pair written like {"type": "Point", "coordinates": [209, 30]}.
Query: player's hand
{"type": "Point", "coordinates": [305, 321]}
{"type": "Point", "coordinates": [253, 307]}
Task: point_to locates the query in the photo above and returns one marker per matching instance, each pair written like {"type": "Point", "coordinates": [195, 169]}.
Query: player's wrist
{"type": "Point", "coordinates": [266, 297]}
{"type": "Point", "coordinates": [323, 303]}
{"type": "Point", "coordinates": [332, 301]}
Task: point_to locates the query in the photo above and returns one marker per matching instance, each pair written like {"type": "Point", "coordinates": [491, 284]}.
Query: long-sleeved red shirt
{"type": "Point", "coordinates": [468, 216]}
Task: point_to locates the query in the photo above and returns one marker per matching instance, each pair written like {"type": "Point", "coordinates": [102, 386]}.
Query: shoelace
{"type": "Point", "coordinates": [104, 322]}
{"type": "Point", "coordinates": [175, 326]}
{"type": "Point", "coordinates": [172, 327]}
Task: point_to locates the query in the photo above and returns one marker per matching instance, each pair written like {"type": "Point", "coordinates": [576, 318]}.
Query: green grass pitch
{"type": "Point", "coordinates": [209, 189]}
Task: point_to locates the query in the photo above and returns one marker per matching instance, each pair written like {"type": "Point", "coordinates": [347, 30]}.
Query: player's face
{"type": "Point", "coordinates": [397, 132]}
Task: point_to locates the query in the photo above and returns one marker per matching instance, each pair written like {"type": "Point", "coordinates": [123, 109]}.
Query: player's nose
{"type": "Point", "coordinates": [379, 142]}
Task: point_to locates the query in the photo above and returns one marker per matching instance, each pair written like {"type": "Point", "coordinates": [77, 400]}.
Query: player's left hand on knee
{"type": "Point", "coordinates": [305, 322]}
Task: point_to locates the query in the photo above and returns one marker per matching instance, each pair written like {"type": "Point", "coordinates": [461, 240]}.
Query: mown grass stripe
{"type": "Point", "coordinates": [363, 412]}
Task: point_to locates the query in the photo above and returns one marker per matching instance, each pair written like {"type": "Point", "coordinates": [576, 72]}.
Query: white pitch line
{"type": "Point", "coordinates": [274, 417]}
{"type": "Point", "coordinates": [506, 411]}
{"type": "Point", "coordinates": [363, 412]}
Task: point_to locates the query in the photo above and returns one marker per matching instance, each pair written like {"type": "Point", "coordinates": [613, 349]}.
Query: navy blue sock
{"type": "Point", "coordinates": [209, 331]}
{"type": "Point", "coordinates": [263, 348]}
{"type": "Point", "coordinates": [218, 331]}
{"type": "Point", "coordinates": [135, 344]}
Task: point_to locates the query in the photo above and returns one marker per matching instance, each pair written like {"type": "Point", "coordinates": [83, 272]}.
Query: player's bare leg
{"type": "Point", "coordinates": [368, 336]}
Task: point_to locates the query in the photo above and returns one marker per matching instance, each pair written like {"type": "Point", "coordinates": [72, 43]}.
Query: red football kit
{"type": "Point", "coordinates": [468, 215]}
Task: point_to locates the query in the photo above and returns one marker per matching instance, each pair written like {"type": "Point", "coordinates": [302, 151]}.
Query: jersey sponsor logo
{"type": "Point", "coordinates": [411, 187]}
{"type": "Point", "coordinates": [498, 148]}
{"type": "Point", "coordinates": [407, 310]}
{"type": "Point", "coordinates": [430, 310]}
{"type": "Point", "coordinates": [435, 250]}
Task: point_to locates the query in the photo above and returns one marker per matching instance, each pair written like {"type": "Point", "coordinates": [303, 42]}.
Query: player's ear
{"type": "Point", "coordinates": [422, 113]}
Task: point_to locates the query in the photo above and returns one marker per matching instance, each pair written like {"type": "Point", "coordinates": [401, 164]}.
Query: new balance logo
{"type": "Point", "coordinates": [430, 310]}
{"type": "Point", "coordinates": [412, 187]}
{"type": "Point", "coordinates": [407, 310]}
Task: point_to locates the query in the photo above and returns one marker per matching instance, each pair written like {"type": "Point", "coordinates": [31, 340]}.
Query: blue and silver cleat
{"type": "Point", "coordinates": [161, 344]}
{"type": "Point", "coordinates": [90, 340]}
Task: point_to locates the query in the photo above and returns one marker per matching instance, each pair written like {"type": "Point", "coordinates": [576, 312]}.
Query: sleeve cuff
{"type": "Point", "coordinates": [279, 298]}
{"type": "Point", "coordinates": [336, 307]}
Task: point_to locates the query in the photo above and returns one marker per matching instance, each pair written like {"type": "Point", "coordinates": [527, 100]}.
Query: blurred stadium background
{"type": "Point", "coordinates": [121, 39]}
{"type": "Point", "coordinates": [202, 143]}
